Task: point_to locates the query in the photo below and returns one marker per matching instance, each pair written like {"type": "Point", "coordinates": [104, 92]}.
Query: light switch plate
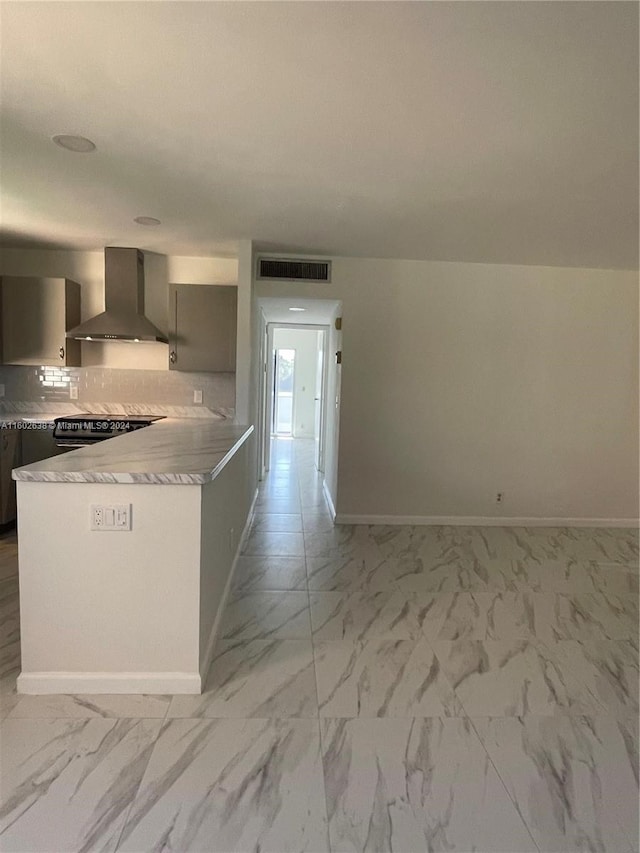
{"type": "Point", "coordinates": [197, 395]}
{"type": "Point", "coordinates": [73, 392]}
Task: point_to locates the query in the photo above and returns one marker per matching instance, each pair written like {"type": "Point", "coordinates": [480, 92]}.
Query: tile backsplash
{"type": "Point", "coordinates": [99, 389]}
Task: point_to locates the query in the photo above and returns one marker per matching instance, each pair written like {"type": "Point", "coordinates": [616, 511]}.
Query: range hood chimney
{"type": "Point", "coordinates": [123, 318]}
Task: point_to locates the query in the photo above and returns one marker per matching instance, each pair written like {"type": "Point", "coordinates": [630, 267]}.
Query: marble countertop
{"type": "Point", "coordinates": [172, 451]}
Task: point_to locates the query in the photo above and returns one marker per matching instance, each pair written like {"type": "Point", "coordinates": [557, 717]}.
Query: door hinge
{"type": "Point", "coordinates": [339, 357]}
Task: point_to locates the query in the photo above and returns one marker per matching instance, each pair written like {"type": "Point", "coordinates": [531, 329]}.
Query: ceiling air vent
{"type": "Point", "coordinates": [294, 270]}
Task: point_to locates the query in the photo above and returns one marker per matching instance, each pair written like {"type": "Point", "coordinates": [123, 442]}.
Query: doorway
{"type": "Point", "coordinates": [297, 382]}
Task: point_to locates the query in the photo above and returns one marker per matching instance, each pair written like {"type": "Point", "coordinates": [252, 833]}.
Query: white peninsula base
{"type": "Point", "coordinates": [134, 611]}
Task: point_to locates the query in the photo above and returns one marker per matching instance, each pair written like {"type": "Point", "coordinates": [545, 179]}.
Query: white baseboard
{"type": "Point", "coordinates": [208, 656]}
{"type": "Point", "coordinates": [40, 683]}
{"type": "Point", "coordinates": [483, 521]}
{"type": "Point", "coordinates": [329, 500]}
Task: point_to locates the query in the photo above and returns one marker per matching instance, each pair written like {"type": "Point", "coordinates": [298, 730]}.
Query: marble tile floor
{"type": "Point", "coordinates": [373, 689]}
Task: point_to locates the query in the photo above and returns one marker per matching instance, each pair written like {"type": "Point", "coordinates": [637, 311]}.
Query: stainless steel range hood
{"type": "Point", "coordinates": [123, 318]}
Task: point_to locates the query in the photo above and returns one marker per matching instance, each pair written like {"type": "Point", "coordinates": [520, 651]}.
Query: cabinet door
{"type": "Point", "coordinates": [202, 327]}
{"type": "Point", "coordinates": [36, 312]}
{"type": "Point", "coordinates": [10, 458]}
{"type": "Point", "coordinates": [39, 444]}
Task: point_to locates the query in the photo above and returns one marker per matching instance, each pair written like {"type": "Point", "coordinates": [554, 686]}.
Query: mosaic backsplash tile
{"type": "Point", "coordinates": [114, 390]}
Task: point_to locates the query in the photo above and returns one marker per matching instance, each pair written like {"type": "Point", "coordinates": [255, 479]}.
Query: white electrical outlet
{"type": "Point", "coordinates": [73, 392]}
{"type": "Point", "coordinates": [110, 517]}
{"type": "Point", "coordinates": [197, 395]}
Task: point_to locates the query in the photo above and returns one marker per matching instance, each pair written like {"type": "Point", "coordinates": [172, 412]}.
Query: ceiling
{"type": "Point", "coordinates": [467, 131]}
{"type": "Point", "coordinates": [316, 311]}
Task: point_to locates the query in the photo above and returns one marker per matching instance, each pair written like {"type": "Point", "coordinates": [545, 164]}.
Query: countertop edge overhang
{"type": "Point", "coordinates": [171, 452]}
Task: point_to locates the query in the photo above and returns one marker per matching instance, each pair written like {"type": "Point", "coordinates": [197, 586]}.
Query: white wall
{"type": "Point", "coordinates": [305, 343]}
{"type": "Point", "coordinates": [87, 268]}
{"type": "Point", "coordinates": [461, 380]}
{"type": "Point", "coordinates": [248, 368]}
{"type": "Point", "coordinates": [332, 435]}
{"type": "Point", "coordinates": [246, 320]}
{"type": "Point", "coordinates": [225, 505]}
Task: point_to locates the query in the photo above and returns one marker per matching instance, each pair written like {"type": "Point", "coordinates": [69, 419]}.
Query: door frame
{"type": "Point", "coordinates": [268, 389]}
{"type": "Point", "coordinates": [264, 394]}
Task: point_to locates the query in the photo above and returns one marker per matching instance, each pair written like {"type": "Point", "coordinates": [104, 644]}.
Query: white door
{"type": "Point", "coordinates": [319, 401]}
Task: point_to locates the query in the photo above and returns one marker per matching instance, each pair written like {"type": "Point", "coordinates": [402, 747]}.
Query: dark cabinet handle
{"type": "Point", "coordinates": [173, 357]}
{"type": "Point", "coordinates": [61, 352]}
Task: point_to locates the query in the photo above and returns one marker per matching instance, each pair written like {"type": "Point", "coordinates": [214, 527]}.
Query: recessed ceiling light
{"type": "Point", "coordinates": [297, 309]}
{"type": "Point", "coordinates": [147, 220]}
{"type": "Point", "coordinates": [77, 144]}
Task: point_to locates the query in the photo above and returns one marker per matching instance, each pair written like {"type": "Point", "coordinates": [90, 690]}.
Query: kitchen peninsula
{"type": "Point", "coordinates": [130, 611]}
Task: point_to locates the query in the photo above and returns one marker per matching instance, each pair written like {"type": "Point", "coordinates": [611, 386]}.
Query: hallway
{"type": "Point", "coordinates": [374, 689]}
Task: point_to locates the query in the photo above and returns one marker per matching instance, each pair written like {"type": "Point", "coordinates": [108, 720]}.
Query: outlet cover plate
{"type": "Point", "coordinates": [110, 517]}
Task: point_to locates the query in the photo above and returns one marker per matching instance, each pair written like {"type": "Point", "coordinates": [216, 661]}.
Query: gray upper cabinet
{"type": "Point", "coordinates": [202, 327]}
{"type": "Point", "coordinates": [36, 313]}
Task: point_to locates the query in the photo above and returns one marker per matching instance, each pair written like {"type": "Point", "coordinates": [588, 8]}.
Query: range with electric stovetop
{"type": "Point", "coordinates": [80, 430]}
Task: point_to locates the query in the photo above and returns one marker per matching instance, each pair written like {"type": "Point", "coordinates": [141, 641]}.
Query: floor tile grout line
{"type": "Point", "coordinates": [305, 535]}
{"type": "Point", "coordinates": [324, 785]}
{"type": "Point", "coordinates": [502, 782]}
{"type": "Point", "coordinates": [304, 545]}
{"type": "Point", "coordinates": [139, 785]}
{"type": "Point", "coordinates": [470, 719]}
